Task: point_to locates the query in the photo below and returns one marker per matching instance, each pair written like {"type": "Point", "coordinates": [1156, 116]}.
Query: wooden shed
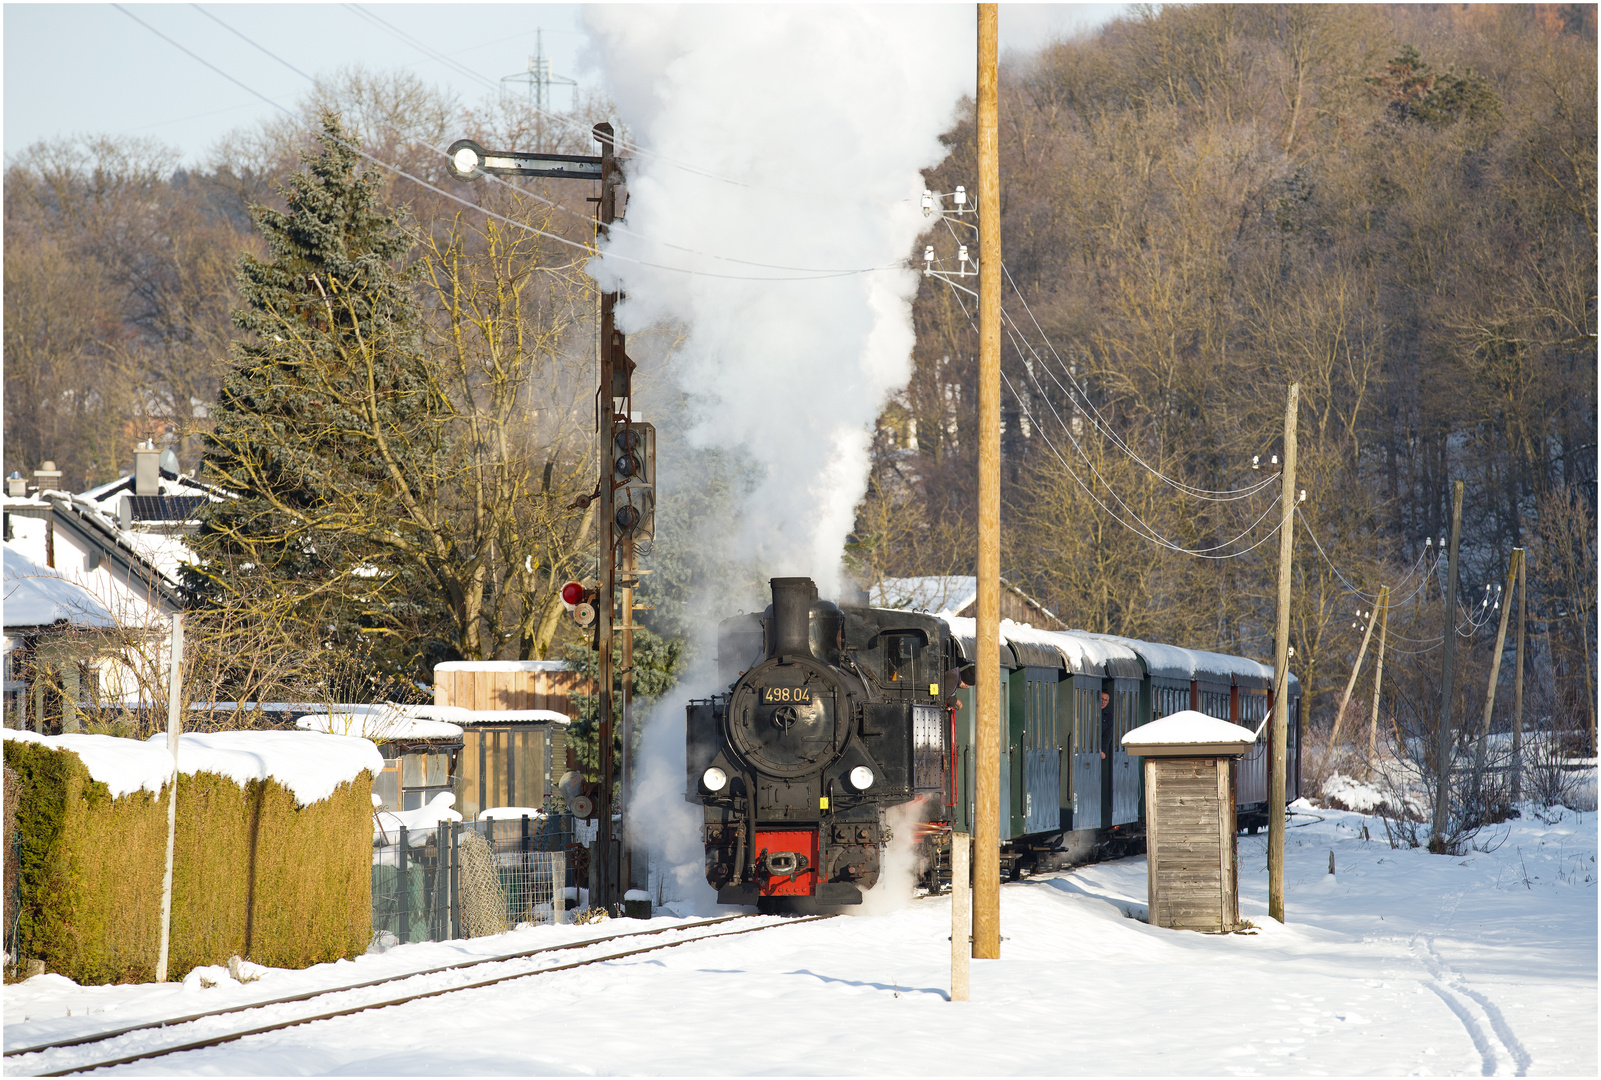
{"type": "Point", "coordinates": [514, 735]}
{"type": "Point", "coordinates": [1192, 871]}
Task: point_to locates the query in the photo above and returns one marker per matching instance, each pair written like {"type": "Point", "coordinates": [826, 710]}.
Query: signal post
{"type": "Point", "coordinates": [626, 487]}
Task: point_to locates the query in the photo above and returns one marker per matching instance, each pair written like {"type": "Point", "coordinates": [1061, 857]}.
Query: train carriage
{"type": "Point", "coordinates": [833, 716]}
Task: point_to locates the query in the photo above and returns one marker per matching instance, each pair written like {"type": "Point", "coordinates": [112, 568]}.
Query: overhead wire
{"type": "Point", "coordinates": [1198, 492]}
{"type": "Point", "coordinates": [1144, 530]}
{"type": "Point", "coordinates": [620, 139]}
{"type": "Point", "coordinates": [617, 227]}
{"type": "Point", "coordinates": [396, 170]}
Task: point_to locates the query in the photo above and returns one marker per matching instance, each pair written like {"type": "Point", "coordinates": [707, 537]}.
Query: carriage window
{"type": "Point", "coordinates": [900, 658]}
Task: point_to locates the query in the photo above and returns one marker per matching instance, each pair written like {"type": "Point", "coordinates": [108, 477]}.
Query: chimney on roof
{"type": "Point", "coordinates": [47, 477]}
{"type": "Point", "coordinates": [16, 486]}
{"type": "Point", "coordinates": [146, 469]}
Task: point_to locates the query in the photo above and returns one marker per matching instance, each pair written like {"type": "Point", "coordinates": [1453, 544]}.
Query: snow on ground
{"type": "Point", "coordinates": [1400, 963]}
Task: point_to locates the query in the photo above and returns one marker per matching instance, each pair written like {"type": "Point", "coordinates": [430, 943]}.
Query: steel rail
{"type": "Point", "coordinates": [154, 1025]}
{"type": "Point", "coordinates": [218, 1040]}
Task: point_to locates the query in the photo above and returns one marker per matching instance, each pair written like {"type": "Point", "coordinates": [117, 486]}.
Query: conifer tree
{"type": "Point", "coordinates": [327, 422]}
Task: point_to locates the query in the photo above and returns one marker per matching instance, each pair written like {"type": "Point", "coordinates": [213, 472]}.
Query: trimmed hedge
{"type": "Point", "coordinates": [254, 875]}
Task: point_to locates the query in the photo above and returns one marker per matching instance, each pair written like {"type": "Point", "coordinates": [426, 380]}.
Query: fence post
{"type": "Point", "coordinates": [455, 879]}
{"type": "Point", "coordinates": [439, 916]}
{"type": "Point", "coordinates": [558, 885]}
{"type": "Point", "coordinates": [403, 882]}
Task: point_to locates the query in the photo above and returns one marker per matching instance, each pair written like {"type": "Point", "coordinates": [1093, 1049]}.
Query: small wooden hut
{"type": "Point", "coordinates": [514, 736]}
{"type": "Point", "coordinates": [1192, 872]}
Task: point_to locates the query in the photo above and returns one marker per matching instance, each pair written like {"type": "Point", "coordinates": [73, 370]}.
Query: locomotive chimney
{"type": "Point", "coordinates": [792, 607]}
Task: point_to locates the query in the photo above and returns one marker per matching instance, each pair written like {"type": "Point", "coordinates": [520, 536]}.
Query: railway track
{"type": "Point", "coordinates": [21, 1068]}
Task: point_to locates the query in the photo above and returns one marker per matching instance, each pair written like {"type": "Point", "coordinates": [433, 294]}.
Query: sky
{"type": "Point", "coordinates": [93, 69]}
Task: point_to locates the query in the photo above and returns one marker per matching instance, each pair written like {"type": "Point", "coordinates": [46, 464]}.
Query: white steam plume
{"type": "Point", "coordinates": [789, 136]}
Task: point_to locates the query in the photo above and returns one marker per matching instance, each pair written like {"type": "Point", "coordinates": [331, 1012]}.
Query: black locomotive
{"type": "Point", "coordinates": [797, 762]}
{"type": "Point", "coordinates": [833, 716]}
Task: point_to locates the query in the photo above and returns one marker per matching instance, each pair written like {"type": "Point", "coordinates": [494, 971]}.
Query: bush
{"type": "Point", "coordinates": [254, 874]}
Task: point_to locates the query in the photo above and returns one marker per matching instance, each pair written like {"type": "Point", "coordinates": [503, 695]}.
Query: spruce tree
{"type": "Point", "coordinates": [326, 417]}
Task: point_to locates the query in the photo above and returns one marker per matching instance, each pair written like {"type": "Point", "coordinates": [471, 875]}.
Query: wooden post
{"type": "Point", "coordinates": [1279, 732]}
{"type": "Point", "coordinates": [626, 877]}
{"type": "Point", "coordinates": [961, 912]}
{"type": "Point", "coordinates": [1378, 677]}
{"type": "Point", "coordinates": [1517, 695]}
{"type": "Point", "coordinates": [1441, 823]}
{"type": "Point", "coordinates": [1495, 674]}
{"type": "Point", "coordinates": [987, 691]}
{"type": "Point", "coordinates": [1350, 684]}
{"type": "Point", "coordinates": [174, 729]}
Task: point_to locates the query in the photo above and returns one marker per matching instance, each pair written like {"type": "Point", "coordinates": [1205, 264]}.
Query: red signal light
{"type": "Point", "coordinates": [572, 593]}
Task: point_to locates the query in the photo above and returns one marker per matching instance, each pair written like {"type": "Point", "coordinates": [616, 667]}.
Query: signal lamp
{"type": "Point", "coordinates": [571, 593]}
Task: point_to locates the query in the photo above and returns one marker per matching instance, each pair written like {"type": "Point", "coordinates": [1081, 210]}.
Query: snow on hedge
{"type": "Point", "coordinates": [311, 766]}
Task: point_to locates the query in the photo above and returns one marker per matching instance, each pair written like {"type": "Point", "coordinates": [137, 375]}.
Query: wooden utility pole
{"type": "Point", "coordinates": [987, 690]}
{"type": "Point", "coordinates": [961, 912]}
{"type": "Point", "coordinates": [174, 729]}
{"type": "Point", "coordinates": [1350, 684]}
{"type": "Point", "coordinates": [1378, 678]}
{"type": "Point", "coordinates": [1517, 695]}
{"type": "Point", "coordinates": [601, 864]}
{"type": "Point", "coordinates": [1279, 731]}
{"type": "Point", "coordinates": [1442, 741]}
{"type": "Point", "coordinates": [1495, 673]}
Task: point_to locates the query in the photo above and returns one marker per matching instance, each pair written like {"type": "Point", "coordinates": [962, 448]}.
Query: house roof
{"type": "Point", "coordinates": [38, 596]}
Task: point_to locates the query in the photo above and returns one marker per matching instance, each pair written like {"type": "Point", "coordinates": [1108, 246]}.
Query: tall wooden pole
{"type": "Point", "coordinates": [1279, 731]}
{"type": "Point", "coordinates": [1517, 695]}
{"type": "Point", "coordinates": [1378, 678]}
{"type": "Point", "coordinates": [987, 785]}
{"type": "Point", "coordinates": [174, 729]}
{"type": "Point", "coordinates": [1495, 673]}
{"type": "Point", "coordinates": [1442, 732]}
{"type": "Point", "coordinates": [1350, 684]}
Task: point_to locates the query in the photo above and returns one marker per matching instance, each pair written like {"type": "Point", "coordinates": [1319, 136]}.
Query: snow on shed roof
{"type": "Point", "coordinates": [501, 665]}
{"type": "Point", "coordinates": [380, 726]}
{"type": "Point", "coordinates": [1188, 728]}
{"type": "Point", "coordinates": [38, 596]}
{"type": "Point", "coordinates": [515, 716]}
{"type": "Point", "coordinates": [310, 765]}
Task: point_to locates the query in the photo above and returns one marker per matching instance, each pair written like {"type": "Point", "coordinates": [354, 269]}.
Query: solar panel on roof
{"type": "Point", "coordinates": [165, 507]}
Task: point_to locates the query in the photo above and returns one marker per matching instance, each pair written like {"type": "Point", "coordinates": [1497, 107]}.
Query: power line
{"type": "Point", "coordinates": [490, 213]}
{"type": "Point", "coordinates": [582, 215]}
{"type": "Point", "coordinates": [1227, 495]}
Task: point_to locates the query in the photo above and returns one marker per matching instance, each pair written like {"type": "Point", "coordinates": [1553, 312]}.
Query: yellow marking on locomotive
{"type": "Point", "coordinates": [798, 694]}
{"type": "Point", "coordinates": [822, 802]}
{"type": "Point", "coordinates": [933, 689]}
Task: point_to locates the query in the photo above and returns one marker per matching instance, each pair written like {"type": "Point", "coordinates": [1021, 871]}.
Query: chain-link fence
{"type": "Point", "coordinates": [470, 879]}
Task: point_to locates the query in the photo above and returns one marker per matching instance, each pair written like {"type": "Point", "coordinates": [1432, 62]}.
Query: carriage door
{"type": "Point", "coordinates": [1125, 770]}
{"type": "Point", "coordinates": [1086, 752]}
{"type": "Point", "coordinates": [1042, 766]}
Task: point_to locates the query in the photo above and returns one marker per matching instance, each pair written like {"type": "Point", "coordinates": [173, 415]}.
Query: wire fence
{"type": "Point", "coordinates": [468, 879]}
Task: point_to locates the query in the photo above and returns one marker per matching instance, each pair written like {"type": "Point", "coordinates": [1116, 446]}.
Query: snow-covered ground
{"type": "Point", "coordinates": [1400, 963]}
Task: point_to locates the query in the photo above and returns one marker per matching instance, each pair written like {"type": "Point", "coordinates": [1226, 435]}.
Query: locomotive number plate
{"type": "Point", "coordinates": [795, 694]}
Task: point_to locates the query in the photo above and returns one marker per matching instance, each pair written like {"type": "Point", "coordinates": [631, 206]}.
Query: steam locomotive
{"type": "Point", "coordinates": [833, 716]}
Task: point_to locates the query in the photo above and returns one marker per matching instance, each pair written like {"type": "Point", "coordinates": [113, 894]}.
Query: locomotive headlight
{"type": "Point", "coordinates": [861, 778]}
{"type": "Point", "coordinates": [715, 779]}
